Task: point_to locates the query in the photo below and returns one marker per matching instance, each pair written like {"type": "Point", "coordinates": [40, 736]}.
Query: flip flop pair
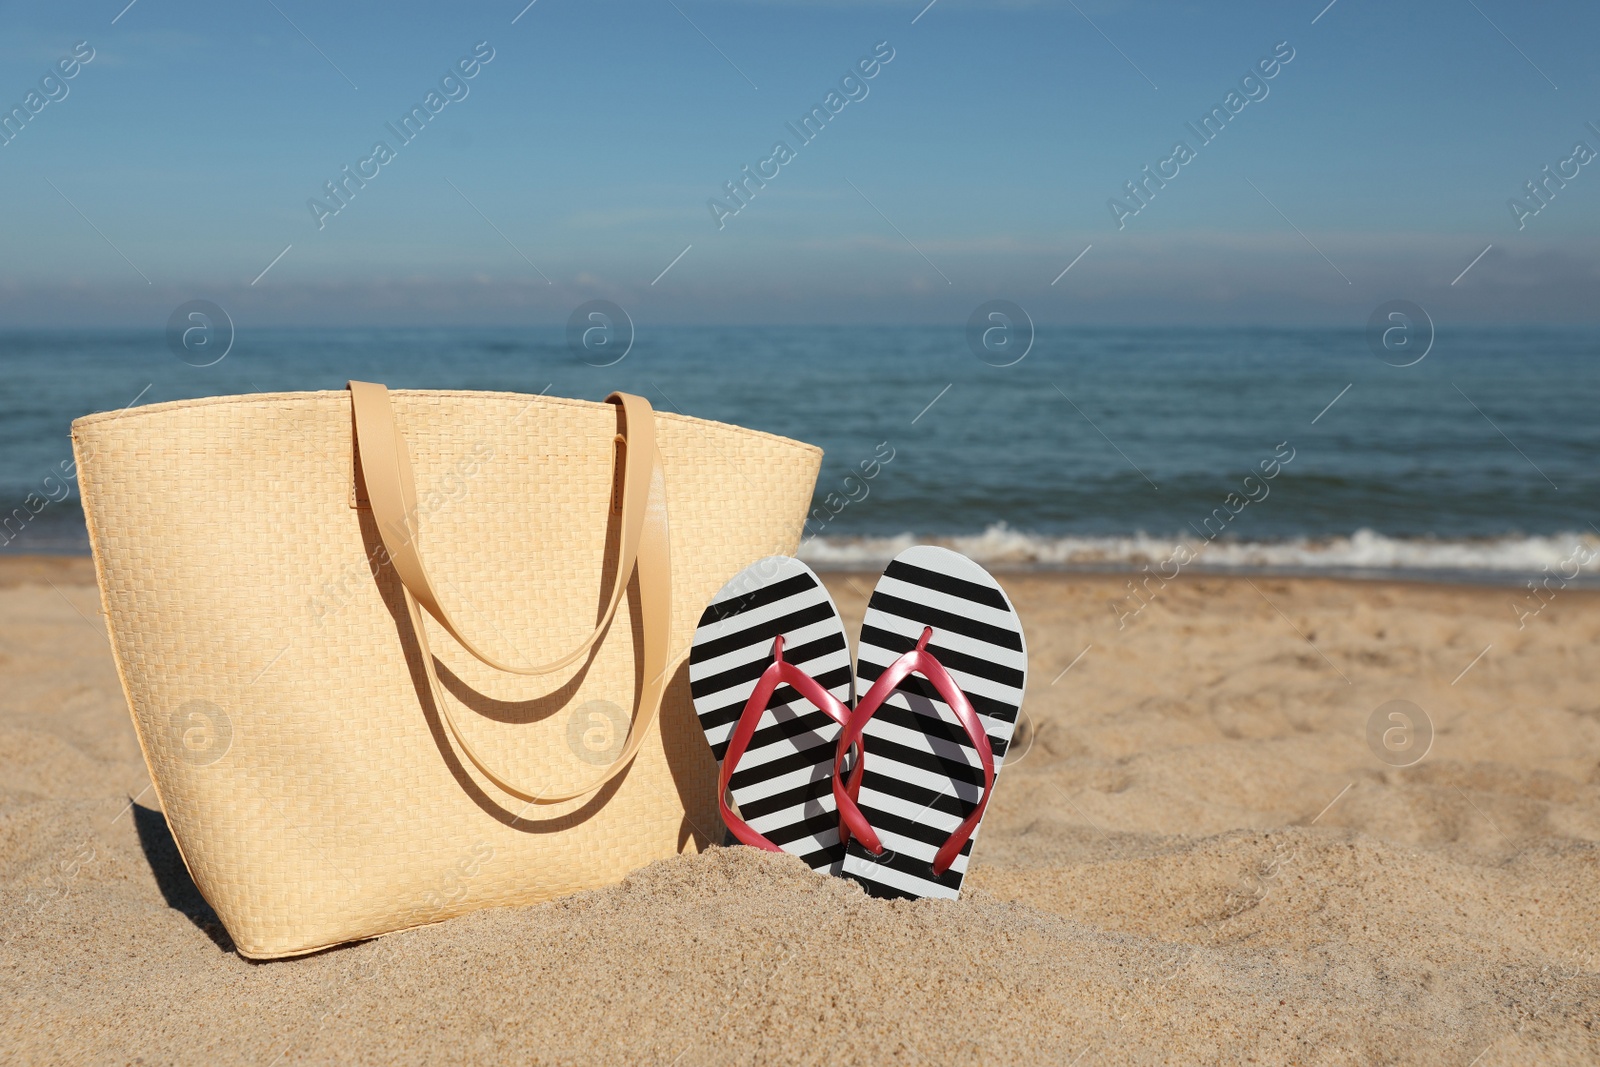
{"type": "Point", "coordinates": [881, 773]}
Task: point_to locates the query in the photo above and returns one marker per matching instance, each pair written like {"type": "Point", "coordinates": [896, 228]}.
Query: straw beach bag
{"type": "Point", "coordinates": [392, 657]}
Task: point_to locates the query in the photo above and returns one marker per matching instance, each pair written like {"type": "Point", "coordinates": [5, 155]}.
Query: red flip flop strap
{"type": "Point", "coordinates": [852, 823]}
{"type": "Point", "coordinates": [917, 661]}
{"type": "Point", "coordinates": [780, 672]}
{"type": "Point", "coordinates": [958, 702]}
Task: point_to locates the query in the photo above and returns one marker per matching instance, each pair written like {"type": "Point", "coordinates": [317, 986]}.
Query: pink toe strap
{"type": "Point", "coordinates": [780, 672]}
{"type": "Point", "coordinates": [918, 661]}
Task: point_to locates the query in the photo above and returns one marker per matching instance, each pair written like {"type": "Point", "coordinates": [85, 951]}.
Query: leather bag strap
{"type": "Point", "coordinates": [391, 490]}
{"type": "Point", "coordinates": [644, 548]}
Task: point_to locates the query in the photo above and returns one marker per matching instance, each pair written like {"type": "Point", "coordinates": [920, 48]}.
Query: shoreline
{"type": "Point", "coordinates": [78, 568]}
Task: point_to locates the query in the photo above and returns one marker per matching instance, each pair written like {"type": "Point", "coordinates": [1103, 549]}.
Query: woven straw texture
{"type": "Point", "coordinates": [278, 692]}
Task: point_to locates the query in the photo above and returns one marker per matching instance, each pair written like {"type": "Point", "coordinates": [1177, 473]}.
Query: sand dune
{"type": "Point", "coordinates": [1193, 856]}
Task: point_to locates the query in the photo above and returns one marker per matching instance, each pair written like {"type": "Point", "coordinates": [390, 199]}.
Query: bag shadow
{"type": "Point", "coordinates": [172, 877]}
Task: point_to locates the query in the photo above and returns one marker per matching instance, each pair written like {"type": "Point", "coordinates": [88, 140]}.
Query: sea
{"type": "Point", "coordinates": [1259, 450]}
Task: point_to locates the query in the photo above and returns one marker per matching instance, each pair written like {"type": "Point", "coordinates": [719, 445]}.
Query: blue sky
{"type": "Point", "coordinates": [978, 164]}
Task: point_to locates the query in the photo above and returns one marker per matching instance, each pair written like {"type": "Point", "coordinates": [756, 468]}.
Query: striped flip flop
{"type": "Point", "coordinates": [941, 669]}
{"type": "Point", "coordinates": [769, 671]}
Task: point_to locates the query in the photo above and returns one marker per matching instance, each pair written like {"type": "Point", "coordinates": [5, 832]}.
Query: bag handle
{"type": "Point", "coordinates": [643, 547]}
{"type": "Point", "coordinates": [386, 468]}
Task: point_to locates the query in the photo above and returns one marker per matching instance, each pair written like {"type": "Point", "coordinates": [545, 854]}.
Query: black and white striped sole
{"type": "Point", "coordinates": [923, 775]}
{"type": "Point", "coordinates": [783, 786]}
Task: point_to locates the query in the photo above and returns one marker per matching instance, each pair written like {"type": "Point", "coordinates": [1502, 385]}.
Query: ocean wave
{"type": "Point", "coordinates": [1363, 550]}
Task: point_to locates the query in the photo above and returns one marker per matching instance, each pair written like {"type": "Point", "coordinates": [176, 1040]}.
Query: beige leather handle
{"type": "Point", "coordinates": [386, 468]}
{"type": "Point", "coordinates": [643, 547]}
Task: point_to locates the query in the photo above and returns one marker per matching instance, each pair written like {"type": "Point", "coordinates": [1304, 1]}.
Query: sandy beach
{"type": "Point", "coordinates": [1193, 856]}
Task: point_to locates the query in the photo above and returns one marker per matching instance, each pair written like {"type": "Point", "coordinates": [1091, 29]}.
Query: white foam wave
{"type": "Point", "coordinates": [1363, 550]}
